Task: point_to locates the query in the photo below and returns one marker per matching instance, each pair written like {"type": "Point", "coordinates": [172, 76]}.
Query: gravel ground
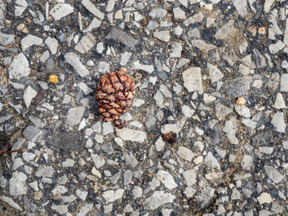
{"type": "Point", "coordinates": [213, 72]}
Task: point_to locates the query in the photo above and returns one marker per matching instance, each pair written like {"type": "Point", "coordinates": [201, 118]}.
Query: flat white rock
{"type": "Point", "coordinates": [157, 199]}
{"type": "Point", "coordinates": [273, 174]}
{"type": "Point", "coordinates": [230, 129]}
{"type": "Point", "coordinates": [74, 61]}
{"type": "Point", "coordinates": [279, 102]}
{"type": "Point", "coordinates": [185, 153]}
{"type": "Point", "coordinates": [91, 8]}
{"type": "Point", "coordinates": [214, 73]}
{"type": "Point", "coordinates": [166, 179]}
{"type": "Point", "coordinates": [275, 48]}
{"type": "Point", "coordinates": [74, 115]}
{"type": "Point", "coordinates": [264, 198]}
{"type": "Point", "coordinates": [267, 5]}
{"type": "Point", "coordinates": [111, 195]}
{"type": "Point", "coordinates": [29, 41]}
{"type": "Point", "coordinates": [52, 44]}
{"type": "Point", "coordinates": [29, 94]}
{"type": "Point", "coordinates": [86, 43]}
{"type": "Point", "coordinates": [10, 201]}
{"type": "Point", "coordinates": [243, 110]}
{"type": "Point", "coordinates": [193, 79]}
{"type": "Point", "coordinates": [95, 23]}
{"type": "Point", "coordinates": [6, 39]}
{"type": "Point", "coordinates": [162, 35]}
{"type": "Point", "coordinates": [138, 66]}
{"type": "Point", "coordinates": [127, 134]}
{"type": "Point", "coordinates": [190, 177]}
{"type": "Point", "coordinates": [17, 184]}
{"type": "Point", "coordinates": [61, 10]}
{"type": "Point", "coordinates": [19, 67]}
{"type": "Point", "coordinates": [279, 122]}
{"type": "Point", "coordinates": [20, 6]}
{"type": "Point", "coordinates": [284, 83]}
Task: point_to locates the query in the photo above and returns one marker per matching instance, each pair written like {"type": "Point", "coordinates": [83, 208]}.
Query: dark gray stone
{"type": "Point", "coordinates": [67, 141]}
{"type": "Point", "coordinates": [123, 37]}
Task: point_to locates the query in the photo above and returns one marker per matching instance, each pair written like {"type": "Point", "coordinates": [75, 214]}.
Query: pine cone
{"type": "Point", "coordinates": [115, 94]}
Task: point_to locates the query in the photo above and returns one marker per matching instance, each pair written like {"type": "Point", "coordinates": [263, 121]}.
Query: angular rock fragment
{"type": "Point", "coordinates": [157, 199]}
{"type": "Point", "coordinates": [91, 7]}
{"type": "Point", "coordinates": [279, 122]}
{"type": "Point", "coordinates": [214, 73]}
{"type": "Point", "coordinates": [193, 79]}
{"type": "Point", "coordinates": [61, 10]}
{"type": "Point", "coordinates": [85, 44]}
{"type": "Point", "coordinates": [111, 195]}
{"type": "Point", "coordinates": [29, 41]}
{"type": "Point", "coordinates": [19, 67]}
{"type": "Point", "coordinates": [74, 115]}
{"type": "Point", "coordinates": [166, 179]}
{"type": "Point", "coordinates": [29, 94]}
{"type": "Point", "coordinates": [52, 44]}
{"type": "Point", "coordinates": [131, 135]}
{"type": "Point", "coordinates": [74, 61]}
{"type": "Point", "coordinates": [6, 39]}
{"type": "Point", "coordinates": [20, 6]}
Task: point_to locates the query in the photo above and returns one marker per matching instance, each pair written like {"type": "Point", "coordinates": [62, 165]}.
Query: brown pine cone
{"type": "Point", "coordinates": [115, 94]}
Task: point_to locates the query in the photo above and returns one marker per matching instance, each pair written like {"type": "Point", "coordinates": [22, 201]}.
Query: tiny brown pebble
{"type": "Point", "coordinates": [170, 138]}
{"type": "Point", "coordinates": [38, 195]}
{"type": "Point", "coordinates": [262, 30]}
{"type": "Point", "coordinates": [240, 101]}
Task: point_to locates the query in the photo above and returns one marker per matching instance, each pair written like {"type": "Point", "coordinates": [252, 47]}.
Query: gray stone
{"type": "Point", "coordinates": [275, 48]}
{"type": "Point", "coordinates": [211, 161]}
{"type": "Point", "coordinates": [177, 50]}
{"type": "Point", "coordinates": [285, 38]}
{"type": "Point", "coordinates": [241, 7]}
{"type": "Point", "coordinates": [125, 58]}
{"type": "Point", "coordinates": [279, 122]}
{"type": "Point", "coordinates": [6, 39]}
{"type": "Point", "coordinates": [179, 14]}
{"type": "Point", "coordinates": [230, 129]}
{"type": "Point", "coordinates": [166, 179]}
{"type": "Point", "coordinates": [185, 153]}
{"type": "Point", "coordinates": [86, 43]}
{"type": "Point", "coordinates": [242, 110]}
{"type": "Point", "coordinates": [74, 115]}
{"type": "Point", "coordinates": [74, 61]}
{"type": "Point", "coordinates": [127, 177]}
{"type": "Point", "coordinates": [67, 140]}
{"type": "Point", "coordinates": [193, 79]}
{"type": "Point", "coordinates": [159, 100]}
{"type": "Point", "coordinates": [20, 6]}
{"type": "Point", "coordinates": [81, 194]}
{"type": "Point", "coordinates": [107, 128]}
{"type": "Point", "coordinates": [32, 133]}
{"type": "Point", "coordinates": [29, 94]}
{"type": "Point", "coordinates": [130, 160]}
{"type": "Point", "coordinates": [202, 45]}
{"type": "Point", "coordinates": [284, 82]}
{"type": "Point", "coordinates": [98, 160]}
{"type": "Point", "coordinates": [17, 184]}
{"type": "Point", "coordinates": [19, 67]}
{"type": "Point", "coordinates": [123, 37]}
{"type": "Point", "coordinates": [157, 199]}
{"type": "Point", "coordinates": [214, 73]}
{"type": "Point", "coordinates": [152, 25]}
{"type": "Point", "coordinates": [17, 163]}
{"type": "Point", "coordinates": [95, 23]}
{"type": "Point", "coordinates": [264, 198]}
{"type": "Point", "coordinates": [111, 195]}
{"type": "Point", "coordinates": [279, 102]}
{"type": "Point", "coordinates": [52, 44]}
{"type": "Point", "coordinates": [11, 202]}
{"type": "Point", "coordinates": [85, 209]}
{"type": "Point", "coordinates": [36, 121]}
{"type": "Point", "coordinates": [237, 87]}
{"type": "Point", "coordinates": [61, 10]}
{"type": "Point", "coordinates": [162, 35]}
{"type": "Point", "coordinates": [91, 8]}
{"type": "Point", "coordinates": [190, 177]}
{"type": "Point", "coordinates": [189, 192]}
{"type": "Point", "coordinates": [131, 135]}
{"type": "Point", "coordinates": [29, 41]}
{"type": "Point", "coordinates": [222, 111]}
{"type": "Point", "coordinates": [137, 192]}
{"type": "Point", "coordinates": [226, 31]}
{"type": "Point", "coordinates": [247, 162]}
{"type": "Point", "coordinates": [60, 209]}
{"type": "Point", "coordinates": [28, 156]}
{"type": "Point", "coordinates": [205, 196]}
{"type": "Point", "coordinates": [273, 174]}
{"type": "Point", "coordinates": [45, 171]}
{"type": "Point", "coordinates": [68, 163]}
{"type": "Point", "coordinates": [158, 13]}
{"type": "Point", "coordinates": [235, 194]}
{"type": "Point", "coordinates": [267, 5]}
{"type": "Point", "coordinates": [103, 67]}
